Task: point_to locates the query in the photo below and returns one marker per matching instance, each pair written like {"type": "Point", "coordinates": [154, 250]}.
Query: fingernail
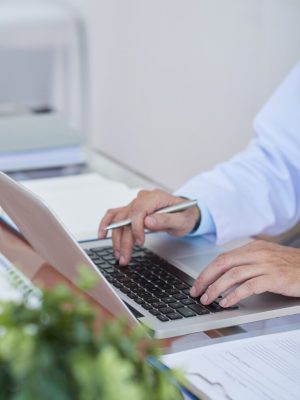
{"type": "Point", "coordinates": [138, 242]}
{"type": "Point", "coordinates": [193, 291]}
{"type": "Point", "coordinates": [117, 255]}
{"type": "Point", "coordinates": [223, 302]}
{"type": "Point", "coordinates": [122, 260]}
{"type": "Point", "coordinates": [151, 221]}
{"type": "Point", "coordinates": [204, 298]}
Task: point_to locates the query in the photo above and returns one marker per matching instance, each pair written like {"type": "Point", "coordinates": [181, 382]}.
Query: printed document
{"type": "Point", "coordinates": [261, 368]}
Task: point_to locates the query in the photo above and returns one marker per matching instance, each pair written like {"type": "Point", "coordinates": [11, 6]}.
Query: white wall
{"type": "Point", "coordinates": [176, 83]}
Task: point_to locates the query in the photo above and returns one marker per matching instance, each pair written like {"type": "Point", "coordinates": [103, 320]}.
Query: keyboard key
{"type": "Point", "coordinates": [174, 316]}
{"type": "Point", "coordinates": [168, 300]}
{"type": "Point", "coordinates": [132, 295]}
{"type": "Point", "coordinates": [112, 262]}
{"type": "Point", "coordinates": [124, 290]}
{"type": "Point", "coordinates": [141, 292]}
{"type": "Point", "coordinates": [130, 285]}
{"type": "Point", "coordinates": [186, 312]}
{"type": "Point", "coordinates": [109, 270]}
{"type": "Point", "coordinates": [153, 311]}
{"type": "Point", "coordinates": [173, 291]}
{"type": "Point", "coordinates": [186, 302]}
{"type": "Point", "coordinates": [124, 279]}
{"type": "Point", "coordinates": [158, 293]}
{"type": "Point", "coordinates": [159, 305]}
{"type": "Point", "coordinates": [176, 305]}
{"type": "Point", "coordinates": [166, 286]}
{"type": "Point", "coordinates": [157, 282]}
{"type": "Point", "coordinates": [149, 286]}
{"type": "Point", "coordinates": [180, 296]}
{"type": "Point", "coordinates": [200, 310]}
{"type": "Point", "coordinates": [146, 306]}
{"type": "Point", "coordinates": [231, 308]}
{"type": "Point", "coordinates": [108, 250]}
{"type": "Point", "coordinates": [163, 318]}
{"type": "Point", "coordinates": [131, 265]}
{"type": "Point", "coordinates": [214, 307]}
{"type": "Point", "coordinates": [166, 310]}
{"type": "Point", "coordinates": [100, 250]}
{"type": "Point", "coordinates": [103, 266]}
{"type": "Point", "coordinates": [151, 299]}
{"type": "Point", "coordinates": [181, 286]}
{"type": "Point", "coordinates": [138, 253]}
{"type": "Point", "coordinates": [117, 274]}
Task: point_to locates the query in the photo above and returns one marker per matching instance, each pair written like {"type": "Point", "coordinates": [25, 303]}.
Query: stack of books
{"type": "Point", "coordinates": [31, 141]}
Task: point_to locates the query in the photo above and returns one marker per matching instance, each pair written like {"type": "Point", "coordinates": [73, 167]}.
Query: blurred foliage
{"type": "Point", "coordinates": [53, 352]}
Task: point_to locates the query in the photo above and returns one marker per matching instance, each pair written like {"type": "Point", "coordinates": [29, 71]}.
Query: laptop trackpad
{"type": "Point", "coordinates": [194, 253]}
{"type": "Point", "coordinates": [198, 262]}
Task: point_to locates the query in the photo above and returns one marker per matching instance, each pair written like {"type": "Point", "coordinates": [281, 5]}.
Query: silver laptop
{"type": "Point", "coordinates": [153, 289]}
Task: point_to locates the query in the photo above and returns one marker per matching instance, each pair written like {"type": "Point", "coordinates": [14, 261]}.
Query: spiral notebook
{"type": "Point", "coordinates": [15, 286]}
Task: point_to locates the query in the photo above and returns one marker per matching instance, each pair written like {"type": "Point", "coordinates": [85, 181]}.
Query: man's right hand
{"type": "Point", "coordinates": [141, 212]}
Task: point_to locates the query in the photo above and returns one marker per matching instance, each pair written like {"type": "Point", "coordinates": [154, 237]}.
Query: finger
{"type": "Point", "coordinates": [106, 220]}
{"type": "Point", "coordinates": [138, 228]}
{"type": "Point", "coordinates": [229, 279]}
{"type": "Point", "coordinates": [117, 233]}
{"type": "Point", "coordinates": [126, 245]}
{"type": "Point", "coordinates": [252, 286]}
{"type": "Point", "coordinates": [234, 258]}
{"type": "Point", "coordinates": [174, 224]}
{"type": "Point", "coordinates": [116, 242]}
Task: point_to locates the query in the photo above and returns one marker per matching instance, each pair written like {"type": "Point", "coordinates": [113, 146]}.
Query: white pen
{"type": "Point", "coordinates": [170, 209]}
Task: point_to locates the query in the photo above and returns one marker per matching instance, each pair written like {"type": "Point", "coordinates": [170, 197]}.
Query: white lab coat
{"type": "Point", "coordinates": [258, 190]}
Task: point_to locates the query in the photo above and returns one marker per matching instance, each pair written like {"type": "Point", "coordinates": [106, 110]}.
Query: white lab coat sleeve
{"type": "Point", "coordinates": [258, 190]}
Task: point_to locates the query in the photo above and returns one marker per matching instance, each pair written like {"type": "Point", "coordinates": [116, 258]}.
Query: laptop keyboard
{"type": "Point", "coordinates": [153, 283]}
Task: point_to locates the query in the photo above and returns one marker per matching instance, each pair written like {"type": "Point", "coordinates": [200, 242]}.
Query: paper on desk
{"type": "Point", "coordinates": [260, 368]}
{"type": "Point", "coordinates": [80, 201]}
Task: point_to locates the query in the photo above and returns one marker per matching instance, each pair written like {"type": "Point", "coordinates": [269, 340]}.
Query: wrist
{"type": "Point", "coordinates": [197, 219]}
{"type": "Point", "coordinates": [196, 213]}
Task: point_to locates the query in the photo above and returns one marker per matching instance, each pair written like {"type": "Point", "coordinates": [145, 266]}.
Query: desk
{"type": "Point", "coordinates": [111, 169]}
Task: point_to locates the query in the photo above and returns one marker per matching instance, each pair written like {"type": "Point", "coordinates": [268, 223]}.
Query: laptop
{"type": "Point", "coordinates": [153, 289]}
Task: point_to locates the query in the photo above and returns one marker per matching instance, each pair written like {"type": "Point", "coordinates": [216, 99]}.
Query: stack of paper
{"type": "Point", "coordinates": [30, 141]}
{"type": "Point", "coordinates": [80, 201]}
{"type": "Point", "coordinates": [260, 368]}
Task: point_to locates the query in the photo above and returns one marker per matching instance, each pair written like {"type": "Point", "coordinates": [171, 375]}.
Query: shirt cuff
{"type": "Point", "coordinates": [207, 225]}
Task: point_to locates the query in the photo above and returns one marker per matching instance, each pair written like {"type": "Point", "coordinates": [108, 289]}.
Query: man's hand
{"type": "Point", "coordinates": [252, 269]}
{"type": "Point", "coordinates": [140, 211]}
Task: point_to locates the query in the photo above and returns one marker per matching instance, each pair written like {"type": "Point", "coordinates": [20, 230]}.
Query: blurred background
{"type": "Point", "coordinates": [166, 87]}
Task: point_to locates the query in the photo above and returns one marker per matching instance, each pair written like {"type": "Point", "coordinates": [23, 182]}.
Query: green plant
{"type": "Point", "coordinates": [52, 352]}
